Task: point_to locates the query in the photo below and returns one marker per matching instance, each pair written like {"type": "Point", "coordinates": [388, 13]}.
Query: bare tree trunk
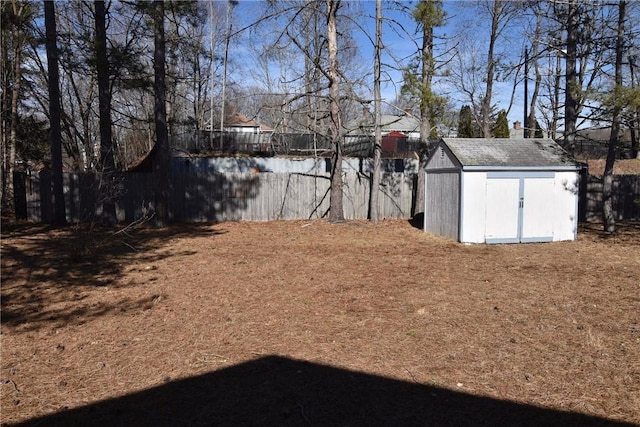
{"type": "Point", "coordinates": [9, 135]}
{"type": "Point", "coordinates": [59, 214]}
{"type": "Point", "coordinates": [607, 185]}
{"type": "Point", "coordinates": [429, 19]}
{"type": "Point", "coordinates": [161, 159]}
{"type": "Point", "coordinates": [530, 127]}
{"type": "Point", "coordinates": [485, 108]}
{"type": "Point", "coordinates": [336, 209]}
{"type": "Point", "coordinates": [108, 183]}
{"type": "Point", "coordinates": [556, 99]}
{"type": "Point", "coordinates": [571, 79]}
{"type": "Point", "coordinates": [634, 123]}
{"type": "Point", "coordinates": [377, 143]}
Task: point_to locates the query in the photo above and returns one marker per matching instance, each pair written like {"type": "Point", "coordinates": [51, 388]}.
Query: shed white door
{"type": "Point", "coordinates": [537, 210]}
{"type": "Point", "coordinates": [519, 208]}
{"type": "Point", "coordinates": [503, 211]}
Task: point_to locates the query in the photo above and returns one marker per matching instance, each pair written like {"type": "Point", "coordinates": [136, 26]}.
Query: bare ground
{"type": "Point", "coordinates": [310, 323]}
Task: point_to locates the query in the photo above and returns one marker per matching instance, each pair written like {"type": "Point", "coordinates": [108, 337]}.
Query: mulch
{"type": "Point", "coordinates": [311, 323]}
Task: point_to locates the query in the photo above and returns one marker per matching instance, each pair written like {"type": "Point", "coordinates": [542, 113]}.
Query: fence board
{"type": "Point", "coordinates": [626, 198]}
{"type": "Point", "coordinates": [215, 197]}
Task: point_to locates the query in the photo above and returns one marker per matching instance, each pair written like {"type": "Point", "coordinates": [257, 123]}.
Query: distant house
{"type": "Point", "coordinates": [406, 124]}
{"type": "Point", "coordinates": [236, 122]}
{"type": "Point", "coordinates": [243, 133]}
{"type": "Point", "coordinates": [593, 143]}
{"type": "Point", "coordinates": [399, 133]}
{"type": "Point", "coordinates": [239, 123]}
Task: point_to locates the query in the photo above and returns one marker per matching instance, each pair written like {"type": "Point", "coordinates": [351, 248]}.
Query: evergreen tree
{"type": "Point", "coordinates": [537, 129]}
{"type": "Point", "coordinates": [501, 128]}
{"type": "Point", "coordinates": [465, 123]}
{"type": "Point", "coordinates": [418, 78]}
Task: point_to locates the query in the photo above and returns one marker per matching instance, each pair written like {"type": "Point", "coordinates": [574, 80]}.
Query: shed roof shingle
{"type": "Point", "coordinates": [495, 152]}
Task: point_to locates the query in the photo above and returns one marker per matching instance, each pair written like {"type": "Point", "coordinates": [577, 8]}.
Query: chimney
{"type": "Point", "coordinates": [408, 112]}
{"type": "Point", "coordinates": [516, 125]}
{"type": "Point", "coordinates": [366, 112]}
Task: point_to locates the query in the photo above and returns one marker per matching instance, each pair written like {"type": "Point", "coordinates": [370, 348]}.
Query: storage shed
{"type": "Point", "coordinates": [485, 190]}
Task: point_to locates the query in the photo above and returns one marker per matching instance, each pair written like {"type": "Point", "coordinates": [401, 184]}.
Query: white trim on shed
{"type": "Point", "coordinates": [501, 191]}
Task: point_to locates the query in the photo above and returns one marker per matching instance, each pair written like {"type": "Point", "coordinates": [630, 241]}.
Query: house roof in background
{"type": "Point", "coordinates": [365, 124]}
{"type": "Point", "coordinates": [396, 134]}
{"type": "Point", "coordinates": [235, 119]}
{"type": "Point", "coordinates": [601, 134]}
{"type": "Point", "coordinates": [499, 152]}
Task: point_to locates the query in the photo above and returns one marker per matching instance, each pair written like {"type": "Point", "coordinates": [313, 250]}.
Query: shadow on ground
{"type": "Point", "coordinates": [49, 275]}
{"type": "Point", "coordinates": [624, 228]}
{"type": "Point", "coordinates": [417, 221]}
{"type": "Point", "coordinates": [277, 391]}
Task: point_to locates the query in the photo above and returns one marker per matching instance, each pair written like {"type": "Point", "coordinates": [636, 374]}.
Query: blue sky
{"type": "Point", "coordinates": [458, 12]}
{"type": "Point", "coordinates": [401, 46]}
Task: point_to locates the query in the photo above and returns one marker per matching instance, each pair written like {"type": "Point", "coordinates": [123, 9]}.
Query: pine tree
{"type": "Point", "coordinates": [501, 128]}
{"type": "Point", "coordinates": [537, 129]}
{"type": "Point", "coordinates": [465, 123]}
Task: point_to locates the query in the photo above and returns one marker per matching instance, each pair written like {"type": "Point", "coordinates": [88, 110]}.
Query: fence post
{"type": "Point", "coordinates": [46, 201]}
{"type": "Point", "coordinates": [583, 194]}
{"type": "Point", "coordinates": [20, 195]}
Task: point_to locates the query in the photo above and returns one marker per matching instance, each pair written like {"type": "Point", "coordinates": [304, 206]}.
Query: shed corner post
{"type": "Point", "coordinates": [424, 207]}
{"type": "Point", "coordinates": [460, 205]}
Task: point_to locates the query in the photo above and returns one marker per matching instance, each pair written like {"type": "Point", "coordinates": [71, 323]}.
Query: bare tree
{"type": "Point", "coordinates": [634, 113]}
{"type": "Point", "coordinates": [336, 212]}
{"type": "Point", "coordinates": [107, 163]}
{"type": "Point", "coordinates": [161, 159]}
{"type": "Point", "coordinates": [377, 102]}
{"type": "Point", "coordinates": [530, 125]}
{"type": "Point", "coordinates": [474, 75]}
{"type": "Point", "coordinates": [571, 78]}
{"type": "Point", "coordinates": [59, 215]}
{"type": "Point", "coordinates": [607, 184]}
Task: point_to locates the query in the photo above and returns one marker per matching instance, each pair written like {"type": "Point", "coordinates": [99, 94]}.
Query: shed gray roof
{"type": "Point", "coordinates": [505, 153]}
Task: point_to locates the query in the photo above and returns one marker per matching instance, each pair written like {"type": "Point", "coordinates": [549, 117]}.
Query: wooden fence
{"type": "Point", "coordinates": [626, 198]}
{"type": "Point", "coordinates": [217, 197]}
{"type": "Point", "coordinates": [214, 197]}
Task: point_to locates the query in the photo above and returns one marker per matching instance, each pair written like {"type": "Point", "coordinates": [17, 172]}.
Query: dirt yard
{"type": "Point", "coordinates": [310, 323]}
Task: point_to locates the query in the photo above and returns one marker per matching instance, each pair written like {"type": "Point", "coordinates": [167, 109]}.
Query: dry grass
{"type": "Point", "coordinates": [551, 325]}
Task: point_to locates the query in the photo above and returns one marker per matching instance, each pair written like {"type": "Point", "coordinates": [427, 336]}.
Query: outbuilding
{"type": "Point", "coordinates": [490, 190]}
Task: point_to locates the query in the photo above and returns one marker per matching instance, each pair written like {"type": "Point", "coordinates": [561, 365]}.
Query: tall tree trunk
{"type": "Point", "coordinates": [607, 185]}
{"type": "Point", "coordinates": [336, 209]}
{"type": "Point", "coordinates": [10, 96]}
{"type": "Point", "coordinates": [530, 127]}
{"type": "Point", "coordinates": [555, 106]}
{"type": "Point", "coordinates": [486, 100]}
{"type": "Point", "coordinates": [108, 181]}
{"type": "Point", "coordinates": [55, 137]}
{"type": "Point", "coordinates": [161, 160]}
{"type": "Point", "coordinates": [571, 77]}
{"type": "Point", "coordinates": [634, 122]}
{"type": "Point", "coordinates": [377, 143]}
{"type": "Point", "coordinates": [428, 18]}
